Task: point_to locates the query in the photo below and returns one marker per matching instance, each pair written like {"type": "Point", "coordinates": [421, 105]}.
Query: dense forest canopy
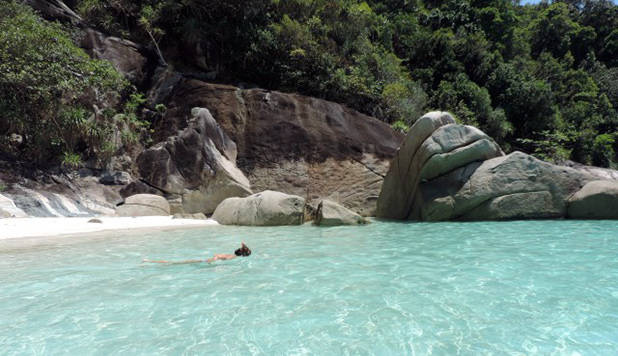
{"type": "Point", "coordinates": [541, 78]}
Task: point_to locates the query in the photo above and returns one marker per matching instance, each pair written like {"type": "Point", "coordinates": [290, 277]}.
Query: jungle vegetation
{"type": "Point", "coordinates": [539, 78]}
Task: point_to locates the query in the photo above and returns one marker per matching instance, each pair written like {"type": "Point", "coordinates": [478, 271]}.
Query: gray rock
{"type": "Point", "coordinates": [401, 181]}
{"type": "Point", "coordinates": [287, 142]}
{"type": "Point", "coordinates": [195, 165]}
{"type": "Point", "coordinates": [123, 54]}
{"type": "Point", "coordinates": [8, 209]}
{"type": "Point", "coordinates": [596, 200]}
{"type": "Point", "coordinates": [517, 186]}
{"type": "Point", "coordinates": [441, 163]}
{"type": "Point", "coordinates": [144, 205]}
{"type": "Point", "coordinates": [85, 172]}
{"type": "Point", "coordinates": [598, 172]}
{"type": "Point", "coordinates": [95, 221]}
{"type": "Point", "coordinates": [267, 208]}
{"type": "Point", "coordinates": [434, 146]}
{"type": "Point", "coordinates": [115, 178]}
{"type": "Point", "coordinates": [332, 214]}
{"type": "Point", "coordinates": [55, 10]}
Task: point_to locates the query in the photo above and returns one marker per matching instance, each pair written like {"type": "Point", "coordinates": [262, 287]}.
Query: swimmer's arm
{"type": "Point", "coordinates": [220, 257]}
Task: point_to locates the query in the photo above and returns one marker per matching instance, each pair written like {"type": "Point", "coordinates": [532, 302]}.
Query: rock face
{"type": "Point", "coordinates": [267, 208]}
{"type": "Point", "coordinates": [8, 209]}
{"type": "Point", "coordinates": [435, 145]}
{"type": "Point", "coordinates": [55, 10]}
{"type": "Point", "coordinates": [290, 143]}
{"type": "Point", "coordinates": [445, 171]}
{"type": "Point", "coordinates": [43, 194]}
{"type": "Point", "coordinates": [115, 178]}
{"type": "Point", "coordinates": [197, 165]}
{"type": "Point", "coordinates": [596, 200]}
{"type": "Point", "coordinates": [332, 214]}
{"type": "Point", "coordinates": [144, 205]}
{"type": "Point", "coordinates": [598, 172]}
{"type": "Point", "coordinates": [517, 186]}
{"type": "Point", "coordinates": [123, 54]}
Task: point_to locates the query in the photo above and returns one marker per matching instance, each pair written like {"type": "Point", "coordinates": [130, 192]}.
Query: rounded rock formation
{"type": "Point", "coordinates": [596, 200]}
{"type": "Point", "coordinates": [330, 213]}
{"type": "Point", "coordinates": [198, 164]}
{"type": "Point", "coordinates": [267, 208]}
{"type": "Point", "coordinates": [435, 146]}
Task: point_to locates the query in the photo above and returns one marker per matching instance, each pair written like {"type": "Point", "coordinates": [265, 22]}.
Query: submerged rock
{"type": "Point", "coordinates": [267, 208]}
{"type": "Point", "coordinates": [144, 205]}
{"type": "Point", "coordinates": [330, 213]}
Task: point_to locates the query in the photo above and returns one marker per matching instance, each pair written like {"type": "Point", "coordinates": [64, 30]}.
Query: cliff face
{"type": "Point", "coordinates": [287, 142]}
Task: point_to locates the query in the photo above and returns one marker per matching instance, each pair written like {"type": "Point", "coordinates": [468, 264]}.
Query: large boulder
{"type": "Point", "coordinates": [330, 213]}
{"type": "Point", "coordinates": [445, 171]}
{"type": "Point", "coordinates": [290, 143]}
{"type": "Point", "coordinates": [197, 164]}
{"type": "Point", "coordinates": [435, 145]}
{"type": "Point", "coordinates": [144, 205]}
{"type": "Point", "coordinates": [596, 200]}
{"type": "Point", "coordinates": [517, 186]}
{"type": "Point", "coordinates": [267, 208]}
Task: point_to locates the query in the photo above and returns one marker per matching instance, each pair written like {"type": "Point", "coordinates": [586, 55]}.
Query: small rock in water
{"type": "Point", "coordinates": [95, 221]}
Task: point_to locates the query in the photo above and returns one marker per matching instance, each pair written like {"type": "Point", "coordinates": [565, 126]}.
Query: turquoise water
{"type": "Point", "coordinates": [514, 288]}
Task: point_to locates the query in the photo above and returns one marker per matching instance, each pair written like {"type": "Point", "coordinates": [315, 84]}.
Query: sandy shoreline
{"type": "Point", "coordinates": [16, 228]}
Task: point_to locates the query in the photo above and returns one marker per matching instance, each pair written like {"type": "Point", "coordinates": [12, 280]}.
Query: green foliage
{"type": "Point", "coordinates": [603, 149]}
{"type": "Point", "coordinates": [71, 160]}
{"type": "Point", "coordinates": [541, 78]}
{"type": "Point", "coordinates": [160, 109]}
{"type": "Point", "coordinates": [552, 147]}
{"type": "Point", "coordinates": [46, 85]}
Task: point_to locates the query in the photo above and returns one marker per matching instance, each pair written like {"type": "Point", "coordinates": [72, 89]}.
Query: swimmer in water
{"type": "Point", "coordinates": [243, 251]}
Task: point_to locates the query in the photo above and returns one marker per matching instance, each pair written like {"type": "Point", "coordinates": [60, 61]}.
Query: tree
{"type": "Point", "coordinates": [49, 87]}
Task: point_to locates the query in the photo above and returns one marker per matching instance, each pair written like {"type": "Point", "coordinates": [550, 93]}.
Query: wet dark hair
{"type": "Point", "coordinates": [243, 251]}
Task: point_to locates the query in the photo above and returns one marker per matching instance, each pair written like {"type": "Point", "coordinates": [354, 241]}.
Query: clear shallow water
{"type": "Point", "coordinates": [518, 288]}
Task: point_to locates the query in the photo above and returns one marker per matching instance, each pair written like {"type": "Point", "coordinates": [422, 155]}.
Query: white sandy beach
{"type": "Point", "coordinates": [46, 227]}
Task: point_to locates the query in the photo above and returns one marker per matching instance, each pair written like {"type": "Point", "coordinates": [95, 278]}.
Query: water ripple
{"type": "Point", "coordinates": [516, 288]}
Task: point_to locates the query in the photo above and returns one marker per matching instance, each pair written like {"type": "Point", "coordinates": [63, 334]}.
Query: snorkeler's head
{"type": "Point", "coordinates": [243, 251]}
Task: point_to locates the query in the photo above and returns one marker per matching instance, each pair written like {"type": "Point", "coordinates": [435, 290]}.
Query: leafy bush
{"type": "Point", "coordinates": [49, 87]}
{"type": "Point", "coordinates": [603, 150]}
{"type": "Point", "coordinates": [540, 77]}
